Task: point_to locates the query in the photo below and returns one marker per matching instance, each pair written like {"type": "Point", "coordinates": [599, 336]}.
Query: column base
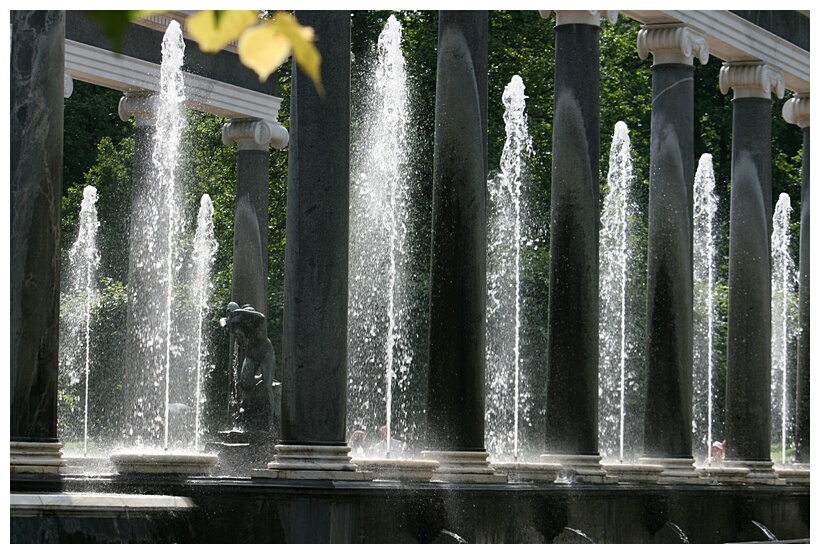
{"type": "Point", "coordinates": [795, 474]}
{"type": "Point", "coordinates": [578, 468]}
{"type": "Point", "coordinates": [304, 461]}
{"type": "Point", "coordinates": [676, 471]}
{"type": "Point", "coordinates": [36, 457]}
{"type": "Point", "coordinates": [457, 466]}
{"type": "Point", "coordinates": [761, 472]}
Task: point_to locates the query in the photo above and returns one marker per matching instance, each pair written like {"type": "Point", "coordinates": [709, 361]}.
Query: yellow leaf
{"type": "Point", "coordinates": [214, 33]}
{"type": "Point", "coordinates": [301, 42]}
{"type": "Point", "coordinates": [263, 49]}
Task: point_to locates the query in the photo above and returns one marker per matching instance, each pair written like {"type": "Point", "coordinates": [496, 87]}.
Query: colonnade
{"type": "Point", "coordinates": [313, 443]}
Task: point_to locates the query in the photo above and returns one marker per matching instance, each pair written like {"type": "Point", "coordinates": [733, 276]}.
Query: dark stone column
{"type": "Point", "coordinates": [36, 159]}
{"type": "Point", "coordinates": [458, 277]}
{"type": "Point", "coordinates": [749, 361]}
{"type": "Point", "coordinates": [668, 417]}
{"type": "Point", "coordinates": [314, 346]}
{"type": "Point", "coordinates": [455, 405]}
{"type": "Point", "coordinates": [142, 106]}
{"type": "Point", "coordinates": [572, 382]}
{"type": "Point", "coordinates": [796, 111]}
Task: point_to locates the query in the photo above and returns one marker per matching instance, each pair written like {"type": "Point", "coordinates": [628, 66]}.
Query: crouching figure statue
{"type": "Point", "coordinates": [250, 329]}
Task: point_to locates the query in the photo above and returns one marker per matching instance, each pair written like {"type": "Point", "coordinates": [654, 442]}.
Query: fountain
{"type": "Point", "coordinates": [617, 334]}
{"type": "Point", "coordinates": [784, 302]}
{"type": "Point", "coordinates": [379, 349]}
{"type": "Point", "coordinates": [169, 338]}
{"type": "Point", "coordinates": [81, 297]}
{"type": "Point", "coordinates": [507, 392]}
{"type": "Point", "coordinates": [205, 246]}
{"type": "Point", "coordinates": [506, 213]}
{"type": "Point", "coordinates": [705, 303]}
{"type": "Point", "coordinates": [617, 254]}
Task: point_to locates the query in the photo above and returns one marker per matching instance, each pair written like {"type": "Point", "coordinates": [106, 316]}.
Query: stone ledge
{"type": "Point", "coordinates": [31, 504]}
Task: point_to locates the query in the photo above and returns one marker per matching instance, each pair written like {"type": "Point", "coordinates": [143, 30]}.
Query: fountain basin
{"type": "Point", "coordinates": [633, 473]}
{"type": "Point", "coordinates": [528, 472]}
{"type": "Point", "coordinates": [723, 474]}
{"type": "Point", "coordinates": [388, 469]}
{"type": "Point", "coordinates": [87, 465]}
{"type": "Point", "coordinates": [797, 474]}
{"type": "Point", "coordinates": [164, 463]}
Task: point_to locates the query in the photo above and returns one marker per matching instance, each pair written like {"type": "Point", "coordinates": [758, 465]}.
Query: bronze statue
{"type": "Point", "coordinates": [250, 329]}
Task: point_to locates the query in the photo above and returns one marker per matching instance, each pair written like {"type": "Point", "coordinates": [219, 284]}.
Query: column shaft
{"type": "Point", "coordinates": [250, 240]}
{"type": "Point", "coordinates": [668, 421]}
{"type": "Point", "coordinates": [748, 375]}
{"type": "Point", "coordinates": [455, 413]}
{"type": "Point", "coordinates": [572, 387]}
{"type": "Point", "coordinates": [314, 347]}
{"type": "Point", "coordinates": [36, 124]}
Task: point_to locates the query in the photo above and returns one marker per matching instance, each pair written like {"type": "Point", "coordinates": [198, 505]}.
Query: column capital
{"type": "Point", "coordinates": [796, 110]}
{"type": "Point", "coordinates": [751, 79]}
{"type": "Point", "coordinates": [672, 43]}
{"type": "Point", "coordinates": [254, 134]}
{"type": "Point", "coordinates": [142, 106]}
{"type": "Point", "coordinates": [68, 85]}
{"type": "Point", "coordinates": [585, 17]}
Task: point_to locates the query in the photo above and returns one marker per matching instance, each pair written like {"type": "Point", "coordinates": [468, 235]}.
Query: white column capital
{"type": "Point", "coordinates": [796, 110]}
{"type": "Point", "coordinates": [672, 43]}
{"type": "Point", "coordinates": [584, 17]}
{"type": "Point", "coordinates": [68, 85]}
{"type": "Point", "coordinates": [254, 134]}
{"type": "Point", "coordinates": [142, 106]}
{"type": "Point", "coordinates": [751, 80]}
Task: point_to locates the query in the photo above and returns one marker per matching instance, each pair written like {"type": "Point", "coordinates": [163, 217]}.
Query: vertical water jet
{"type": "Point", "coordinates": [784, 285]}
{"type": "Point", "coordinates": [506, 215]}
{"type": "Point", "coordinates": [80, 298]}
{"type": "Point", "coordinates": [705, 309]}
{"type": "Point", "coordinates": [379, 351]}
{"type": "Point", "coordinates": [617, 254]}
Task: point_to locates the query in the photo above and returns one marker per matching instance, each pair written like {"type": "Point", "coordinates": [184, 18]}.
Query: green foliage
{"type": "Point", "coordinates": [90, 114]}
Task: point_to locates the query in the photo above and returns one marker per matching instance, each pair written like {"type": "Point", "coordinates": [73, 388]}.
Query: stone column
{"type": "Point", "coordinates": [748, 373]}
{"type": "Point", "coordinates": [796, 111]}
{"type": "Point", "coordinates": [36, 159]}
{"type": "Point", "coordinates": [249, 284]}
{"type": "Point", "coordinates": [458, 278]}
{"type": "Point", "coordinates": [250, 241]}
{"type": "Point", "coordinates": [668, 417]}
{"type": "Point", "coordinates": [314, 346]}
{"type": "Point", "coordinates": [572, 382]}
{"type": "Point", "coordinates": [142, 106]}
